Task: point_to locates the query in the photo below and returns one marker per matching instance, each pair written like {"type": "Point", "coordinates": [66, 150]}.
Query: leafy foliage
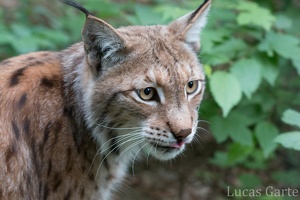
{"type": "Point", "coordinates": [252, 13]}
{"type": "Point", "coordinates": [226, 90]}
{"type": "Point", "coordinates": [265, 133]}
{"type": "Point", "coordinates": [253, 46]}
{"type": "Point", "coordinates": [290, 139]}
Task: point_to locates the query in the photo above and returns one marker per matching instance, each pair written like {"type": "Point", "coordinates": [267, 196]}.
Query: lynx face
{"type": "Point", "coordinates": [151, 81]}
{"type": "Point", "coordinates": [159, 93]}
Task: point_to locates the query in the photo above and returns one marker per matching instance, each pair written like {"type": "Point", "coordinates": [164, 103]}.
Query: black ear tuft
{"type": "Point", "coordinates": [189, 26]}
{"type": "Point", "coordinates": [77, 6]}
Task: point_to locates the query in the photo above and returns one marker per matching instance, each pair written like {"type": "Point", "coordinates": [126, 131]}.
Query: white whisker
{"type": "Point", "coordinates": [119, 128]}
{"type": "Point", "coordinates": [115, 128]}
{"type": "Point", "coordinates": [149, 154]}
{"type": "Point", "coordinates": [204, 121]}
{"type": "Point", "coordinates": [201, 128]}
{"type": "Point", "coordinates": [123, 137]}
{"type": "Point", "coordinates": [127, 149]}
{"type": "Point", "coordinates": [118, 146]}
{"type": "Point", "coordinates": [132, 166]}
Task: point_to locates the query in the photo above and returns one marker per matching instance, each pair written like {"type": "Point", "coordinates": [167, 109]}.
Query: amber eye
{"type": "Point", "coordinates": [147, 93]}
{"type": "Point", "coordinates": [192, 87]}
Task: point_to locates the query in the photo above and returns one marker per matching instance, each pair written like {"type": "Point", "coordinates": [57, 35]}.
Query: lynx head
{"type": "Point", "coordinates": [142, 85]}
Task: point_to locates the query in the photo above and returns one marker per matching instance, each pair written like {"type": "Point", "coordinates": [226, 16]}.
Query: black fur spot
{"type": "Point", "coordinates": [114, 148]}
{"type": "Point", "coordinates": [57, 127]}
{"type": "Point", "coordinates": [26, 126]}
{"type": "Point", "coordinates": [82, 193]}
{"type": "Point", "coordinates": [49, 167]}
{"type": "Point", "coordinates": [30, 58]}
{"type": "Point", "coordinates": [83, 168]}
{"type": "Point", "coordinates": [96, 187]}
{"type": "Point", "coordinates": [108, 106]}
{"type": "Point", "coordinates": [105, 162]}
{"type": "Point", "coordinates": [40, 188]}
{"type": "Point", "coordinates": [47, 83]}
{"type": "Point", "coordinates": [15, 129]}
{"type": "Point", "coordinates": [91, 177]}
{"type": "Point", "coordinates": [68, 195]}
{"type": "Point", "coordinates": [46, 192]}
{"type": "Point", "coordinates": [67, 111]}
{"type": "Point", "coordinates": [34, 157]}
{"type": "Point", "coordinates": [22, 101]}
{"type": "Point", "coordinates": [58, 182]}
{"type": "Point", "coordinates": [35, 63]}
{"type": "Point", "coordinates": [46, 134]}
{"type": "Point", "coordinates": [10, 152]}
{"type": "Point", "coordinates": [15, 78]}
{"type": "Point", "coordinates": [69, 165]}
{"type": "Point", "coordinates": [5, 62]}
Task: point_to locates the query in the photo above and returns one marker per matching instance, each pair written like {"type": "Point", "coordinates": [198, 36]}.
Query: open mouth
{"type": "Point", "coordinates": [171, 146]}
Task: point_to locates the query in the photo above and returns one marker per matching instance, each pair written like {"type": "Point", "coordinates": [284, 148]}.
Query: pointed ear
{"type": "Point", "coordinates": [188, 27]}
{"type": "Point", "coordinates": [103, 44]}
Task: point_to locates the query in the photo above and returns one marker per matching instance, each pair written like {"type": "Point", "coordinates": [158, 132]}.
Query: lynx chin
{"type": "Point", "coordinates": [72, 122]}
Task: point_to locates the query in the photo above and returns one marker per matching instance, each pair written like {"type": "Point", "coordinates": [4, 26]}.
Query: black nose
{"type": "Point", "coordinates": [183, 133]}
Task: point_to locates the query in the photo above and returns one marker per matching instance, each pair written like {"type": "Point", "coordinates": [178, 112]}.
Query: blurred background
{"type": "Point", "coordinates": [249, 133]}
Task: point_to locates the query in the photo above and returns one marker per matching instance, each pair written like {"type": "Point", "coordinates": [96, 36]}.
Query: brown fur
{"type": "Point", "coordinates": [72, 121]}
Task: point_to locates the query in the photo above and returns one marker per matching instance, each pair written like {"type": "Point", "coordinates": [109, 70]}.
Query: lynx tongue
{"type": "Point", "coordinates": [178, 144]}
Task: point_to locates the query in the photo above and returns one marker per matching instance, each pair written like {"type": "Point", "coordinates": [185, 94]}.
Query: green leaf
{"type": "Point", "coordinates": [291, 117]}
{"type": "Point", "coordinates": [146, 15]}
{"type": "Point", "coordinates": [256, 160]}
{"type": "Point", "coordinates": [224, 52]}
{"type": "Point", "coordinates": [108, 9]}
{"type": "Point", "coordinates": [285, 45]}
{"type": "Point", "coordinates": [207, 70]}
{"type": "Point", "coordinates": [253, 14]}
{"type": "Point", "coordinates": [269, 70]}
{"type": "Point", "coordinates": [226, 90]}
{"type": "Point", "coordinates": [219, 128]}
{"type": "Point", "coordinates": [250, 180]}
{"type": "Point", "coordinates": [241, 134]}
{"type": "Point", "coordinates": [238, 153]}
{"type": "Point", "coordinates": [296, 63]}
{"type": "Point", "coordinates": [248, 72]}
{"type": "Point", "coordinates": [265, 133]}
{"type": "Point", "coordinates": [220, 159]}
{"type": "Point", "coordinates": [25, 45]}
{"type": "Point", "coordinates": [283, 22]}
{"type": "Point", "coordinates": [231, 47]}
{"type": "Point", "coordinates": [55, 36]}
{"type": "Point", "coordinates": [235, 126]}
{"type": "Point", "coordinates": [253, 110]}
{"type": "Point", "coordinates": [287, 177]}
{"type": "Point", "coordinates": [290, 140]}
{"type": "Point", "coordinates": [170, 12]}
{"type": "Point", "coordinates": [21, 30]}
{"type": "Point", "coordinates": [214, 59]}
{"type": "Point", "coordinates": [210, 37]}
{"type": "Point", "coordinates": [6, 38]}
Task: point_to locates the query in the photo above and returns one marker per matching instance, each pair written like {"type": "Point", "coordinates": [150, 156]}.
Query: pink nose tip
{"type": "Point", "coordinates": [183, 133]}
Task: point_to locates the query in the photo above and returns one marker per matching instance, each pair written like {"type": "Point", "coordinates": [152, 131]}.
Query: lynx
{"type": "Point", "coordinates": [72, 122]}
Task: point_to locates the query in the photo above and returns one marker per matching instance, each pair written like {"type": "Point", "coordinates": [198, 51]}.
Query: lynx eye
{"type": "Point", "coordinates": [192, 87]}
{"type": "Point", "coordinates": [147, 93]}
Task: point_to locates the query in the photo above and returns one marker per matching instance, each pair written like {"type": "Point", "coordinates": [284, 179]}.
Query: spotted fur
{"type": "Point", "coordinates": [71, 122]}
